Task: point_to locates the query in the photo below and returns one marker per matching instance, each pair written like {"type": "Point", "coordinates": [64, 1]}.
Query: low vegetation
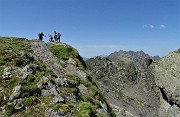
{"type": "Point", "coordinates": [63, 53]}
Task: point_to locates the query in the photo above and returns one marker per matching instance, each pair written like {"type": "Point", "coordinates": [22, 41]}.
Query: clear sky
{"type": "Point", "coordinates": [97, 27]}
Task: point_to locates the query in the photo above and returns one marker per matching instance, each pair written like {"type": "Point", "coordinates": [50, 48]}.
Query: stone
{"type": "Point", "coordinates": [72, 97]}
{"type": "Point", "coordinates": [8, 50]}
{"type": "Point", "coordinates": [57, 99]}
{"type": "Point", "coordinates": [71, 61]}
{"type": "Point", "coordinates": [15, 93]}
{"type": "Point", "coordinates": [71, 69]}
{"type": "Point", "coordinates": [41, 81]}
{"type": "Point", "coordinates": [7, 74]}
{"type": "Point", "coordinates": [18, 104]}
{"type": "Point", "coordinates": [83, 90]}
{"type": "Point", "coordinates": [27, 70]}
{"type": "Point", "coordinates": [49, 92]}
{"type": "Point", "coordinates": [51, 113]}
{"type": "Point", "coordinates": [1, 89]}
{"type": "Point", "coordinates": [62, 82]}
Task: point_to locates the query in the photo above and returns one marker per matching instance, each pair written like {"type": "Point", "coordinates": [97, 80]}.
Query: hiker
{"type": "Point", "coordinates": [41, 36]}
{"type": "Point", "coordinates": [58, 37]}
{"type": "Point", "coordinates": [55, 36]}
{"type": "Point", "coordinates": [50, 38]}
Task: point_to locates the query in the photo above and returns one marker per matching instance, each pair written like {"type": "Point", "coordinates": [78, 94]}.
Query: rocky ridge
{"type": "Point", "coordinates": [127, 81]}
{"type": "Point", "coordinates": [46, 79]}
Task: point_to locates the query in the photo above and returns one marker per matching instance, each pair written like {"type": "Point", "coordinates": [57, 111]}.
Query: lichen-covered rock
{"type": "Point", "coordinates": [7, 74]}
{"type": "Point", "coordinates": [83, 90]}
{"type": "Point", "coordinates": [167, 77]}
{"type": "Point", "coordinates": [15, 93]}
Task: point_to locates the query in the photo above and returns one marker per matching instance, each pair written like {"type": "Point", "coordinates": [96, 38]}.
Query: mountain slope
{"type": "Point", "coordinates": [46, 79]}
{"type": "Point", "coordinates": [127, 81]}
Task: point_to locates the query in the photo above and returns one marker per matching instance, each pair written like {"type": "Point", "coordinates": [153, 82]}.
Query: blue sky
{"type": "Point", "coordinates": [97, 27]}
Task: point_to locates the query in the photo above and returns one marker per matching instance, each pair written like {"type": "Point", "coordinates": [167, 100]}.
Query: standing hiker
{"type": "Point", "coordinates": [50, 38]}
{"type": "Point", "coordinates": [55, 36]}
{"type": "Point", "coordinates": [58, 37]}
{"type": "Point", "coordinates": [40, 35]}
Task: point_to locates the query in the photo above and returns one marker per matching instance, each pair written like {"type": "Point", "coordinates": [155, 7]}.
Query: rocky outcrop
{"type": "Point", "coordinates": [167, 78]}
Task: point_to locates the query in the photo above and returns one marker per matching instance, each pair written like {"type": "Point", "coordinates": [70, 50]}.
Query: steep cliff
{"type": "Point", "coordinates": [40, 79]}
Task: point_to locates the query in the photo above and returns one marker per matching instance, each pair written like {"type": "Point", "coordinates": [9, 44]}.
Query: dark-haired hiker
{"type": "Point", "coordinates": [58, 37]}
{"type": "Point", "coordinates": [40, 35]}
{"type": "Point", "coordinates": [50, 38]}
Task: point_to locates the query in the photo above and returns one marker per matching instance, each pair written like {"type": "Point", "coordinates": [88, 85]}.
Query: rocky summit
{"type": "Point", "coordinates": [39, 79]}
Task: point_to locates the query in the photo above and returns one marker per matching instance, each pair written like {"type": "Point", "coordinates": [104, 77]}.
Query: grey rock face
{"type": "Point", "coordinates": [167, 77]}
{"type": "Point", "coordinates": [72, 69]}
{"type": "Point", "coordinates": [42, 52]}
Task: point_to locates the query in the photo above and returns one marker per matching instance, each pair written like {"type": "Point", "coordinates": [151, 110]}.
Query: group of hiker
{"type": "Point", "coordinates": [56, 37]}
